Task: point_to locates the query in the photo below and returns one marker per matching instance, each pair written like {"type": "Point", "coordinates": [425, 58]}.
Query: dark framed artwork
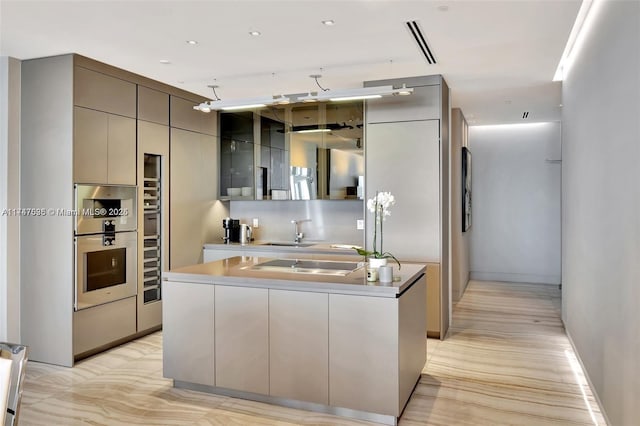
{"type": "Point", "coordinates": [466, 189]}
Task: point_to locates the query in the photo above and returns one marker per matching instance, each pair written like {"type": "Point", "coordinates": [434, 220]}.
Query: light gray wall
{"type": "Point", "coordinates": [9, 198]}
{"type": "Point", "coordinates": [601, 208]}
{"type": "Point", "coordinates": [331, 221]}
{"type": "Point", "coordinates": [459, 240]}
{"type": "Point", "coordinates": [515, 202]}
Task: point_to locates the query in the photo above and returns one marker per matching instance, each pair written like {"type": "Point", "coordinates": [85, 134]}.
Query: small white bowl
{"type": "Point", "coordinates": [233, 192]}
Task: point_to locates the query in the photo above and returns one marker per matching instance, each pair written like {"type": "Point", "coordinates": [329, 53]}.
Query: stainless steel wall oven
{"type": "Point", "coordinates": [105, 244]}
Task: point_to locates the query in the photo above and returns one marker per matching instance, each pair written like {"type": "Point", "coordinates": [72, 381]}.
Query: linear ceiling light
{"type": "Point", "coordinates": [355, 94]}
{"type": "Point", "coordinates": [239, 104]}
{"type": "Point", "coordinates": [582, 25]}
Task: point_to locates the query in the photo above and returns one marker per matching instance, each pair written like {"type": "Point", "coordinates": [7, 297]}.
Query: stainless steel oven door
{"type": "Point", "coordinates": [106, 268]}
{"type": "Point", "coordinates": [105, 208]}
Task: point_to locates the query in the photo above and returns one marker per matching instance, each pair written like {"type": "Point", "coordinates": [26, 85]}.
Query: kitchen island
{"type": "Point", "coordinates": [313, 336]}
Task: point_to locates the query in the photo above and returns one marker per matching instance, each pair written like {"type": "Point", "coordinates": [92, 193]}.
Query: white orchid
{"type": "Point", "coordinates": [380, 207]}
{"type": "Point", "coordinates": [383, 201]}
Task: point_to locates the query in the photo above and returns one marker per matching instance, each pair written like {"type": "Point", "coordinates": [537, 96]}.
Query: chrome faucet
{"type": "Point", "coordinates": [296, 229]}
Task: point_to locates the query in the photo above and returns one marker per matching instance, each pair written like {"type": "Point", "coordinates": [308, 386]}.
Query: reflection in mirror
{"type": "Point", "coordinates": [306, 151]}
{"type": "Point", "coordinates": [236, 155]}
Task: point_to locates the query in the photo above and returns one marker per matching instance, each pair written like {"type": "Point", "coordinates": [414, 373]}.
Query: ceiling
{"type": "Point", "coordinates": [498, 57]}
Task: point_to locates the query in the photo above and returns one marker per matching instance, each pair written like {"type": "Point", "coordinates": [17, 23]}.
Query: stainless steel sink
{"type": "Point", "coordinates": [304, 266]}
{"type": "Point", "coordinates": [286, 244]}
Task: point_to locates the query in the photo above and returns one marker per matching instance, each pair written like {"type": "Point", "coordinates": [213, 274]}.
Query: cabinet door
{"type": "Point", "coordinates": [423, 104]}
{"type": "Point", "coordinates": [188, 332]}
{"type": "Point", "coordinates": [90, 132]}
{"type": "Point", "coordinates": [363, 353]}
{"type": "Point", "coordinates": [242, 338]}
{"type": "Point", "coordinates": [194, 217]}
{"type": "Point", "coordinates": [299, 345]}
{"type": "Point", "coordinates": [153, 105]}
{"type": "Point", "coordinates": [104, 93]}
{"type": "Point", "coordinates": [411, 172]}
{"type": "Point", "coordinates": [183, 116]}
{"type": "Point", "coordinates": [121, 158]}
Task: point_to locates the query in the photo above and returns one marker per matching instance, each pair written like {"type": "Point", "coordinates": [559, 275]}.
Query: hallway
{"type": "Point", "coordinates": [506, 361]}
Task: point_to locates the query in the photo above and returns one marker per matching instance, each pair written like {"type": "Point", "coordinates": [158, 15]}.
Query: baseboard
{"type": "Point", "coordinates": [586, 375]}
{"type": "Point", "coordinates": [515, 277]}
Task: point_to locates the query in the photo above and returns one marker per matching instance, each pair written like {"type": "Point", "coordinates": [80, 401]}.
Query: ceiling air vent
{"type": "Point", "coordinates": [525, 114]}
{"type": "Point", "coordinates": [422, 43]}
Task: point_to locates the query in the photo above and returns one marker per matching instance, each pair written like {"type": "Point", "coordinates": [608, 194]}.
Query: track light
{"type": "Point", "coordinates": [356, 94]}
{"type": "Point", "coordinates": [240, 104]}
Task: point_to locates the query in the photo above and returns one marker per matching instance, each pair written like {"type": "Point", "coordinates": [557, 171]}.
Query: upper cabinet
{"type": "Point", "coordinates": [237, 149]}
{"type": "Point", "coordinates": [184, 117]}
{"type": "Point", "coordinates": [104, 148]}
{"type": "Point", "coordinates": [102, 92]}
{"type": "Point", "coordinates": [104, 130]}
{"type": "Point", "coordinates": [153, 105]}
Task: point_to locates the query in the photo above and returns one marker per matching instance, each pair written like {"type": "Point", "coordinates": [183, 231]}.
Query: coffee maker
{"type": "Point", "coordinates": [231, 230]}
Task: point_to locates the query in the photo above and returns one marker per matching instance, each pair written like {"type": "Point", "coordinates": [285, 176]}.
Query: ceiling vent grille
{"type": "Point", "coordinates": [422, 43]}
{"type": "Point", "coordinates": [525, 115]}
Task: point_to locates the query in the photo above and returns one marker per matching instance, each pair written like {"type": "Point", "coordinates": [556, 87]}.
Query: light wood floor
{"type": "Point", "coordinates": [507, 361]}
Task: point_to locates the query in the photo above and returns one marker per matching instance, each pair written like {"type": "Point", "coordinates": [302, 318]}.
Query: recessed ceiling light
{"type": "Point", "coordinates": [192, 42]}
{"type": "Point", "coordinates": [165, 61]}
{"type": "Point", "coordinates": [329, 22]}
{"type": "Point", "coordinates": [443, 8]}
{"type": "Point", "coordinates": [508, 102]}
{"type": "Point", "coordinates": [255, 33]}
{"type": "Point", "coordinates": [180, 81]}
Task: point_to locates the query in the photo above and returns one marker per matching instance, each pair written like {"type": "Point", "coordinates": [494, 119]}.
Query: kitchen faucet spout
{"type": "Point", "coordinates": [296, 229]}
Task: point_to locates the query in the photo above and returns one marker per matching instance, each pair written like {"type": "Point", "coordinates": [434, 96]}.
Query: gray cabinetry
{"type": "Point", "coordinates": [299, 345]}
{"type": "Point", "coordinates": [416, 172]}
{"type": "Point", "coordinates": [423, 104]}
{"type": "Point", "coordinates": [183, 116]}
{"type": "Point", "coordinates": [188, 334]}
{"type": "Point", "coordinates": [242, 338]}
{"type": "Point", "coordinates": [104, 148]}
{"type": "Point", "coordinates": [153, 105]}
{"type": "Point", "coordinates": [193, 178]}
{"type": "Point", "coordinates": [410, 172]}
{"type": "Point", "coordinates": [102, 92]}
{"type": "Point", "coordinates": [360, 366]}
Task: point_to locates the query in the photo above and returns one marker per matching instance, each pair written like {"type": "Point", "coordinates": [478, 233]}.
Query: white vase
{"type": "Point", "coordinates": [376, 263]}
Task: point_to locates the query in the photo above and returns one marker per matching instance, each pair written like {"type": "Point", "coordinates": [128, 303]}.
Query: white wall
{"type": "Point", "coordinates": [515, 225]}
{"type": "Point", "coordinates": [601, 208]}
{"type": "Point", "coordinates": [9, 198]}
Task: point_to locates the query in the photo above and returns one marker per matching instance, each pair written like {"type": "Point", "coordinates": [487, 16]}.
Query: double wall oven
{"type": "Point", "coordinates": [105, 244]}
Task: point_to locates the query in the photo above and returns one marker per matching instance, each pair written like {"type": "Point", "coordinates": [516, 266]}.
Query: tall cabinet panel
{"type": "Point", "coordinates": [416, 171]}
{"type": "Point", "coordinates": [46, 146]}
{"type": "Point", "coordinates": [410, 172]}
{"type": "Point", "coordinates": [193, 178]}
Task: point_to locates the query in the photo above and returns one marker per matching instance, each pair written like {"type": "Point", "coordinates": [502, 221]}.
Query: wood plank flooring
{"type": "Point", "coordinates": [507, 361]}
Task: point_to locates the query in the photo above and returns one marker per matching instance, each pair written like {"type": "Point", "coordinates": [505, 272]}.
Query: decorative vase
{"type": "Point", "coordinates": [376, 263]}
